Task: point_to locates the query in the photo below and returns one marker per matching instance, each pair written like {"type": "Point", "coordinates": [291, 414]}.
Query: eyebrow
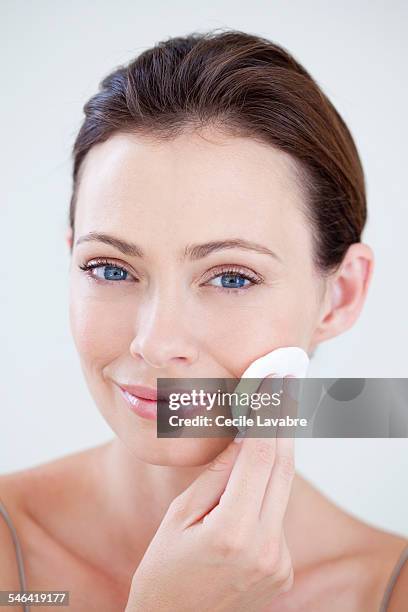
{"type": "Point", "coordinates": [192, 251]}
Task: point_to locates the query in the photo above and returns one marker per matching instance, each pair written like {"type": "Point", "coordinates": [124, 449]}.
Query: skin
{"type": "Point", "coordinates": [174, 321]}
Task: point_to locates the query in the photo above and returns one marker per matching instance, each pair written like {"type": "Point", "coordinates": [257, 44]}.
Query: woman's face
{"type": "Point", "coordinates": [188, 303]}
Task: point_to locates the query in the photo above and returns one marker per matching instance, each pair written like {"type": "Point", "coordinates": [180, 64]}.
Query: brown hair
{"type": "Point", "coordinates": [249, 86]}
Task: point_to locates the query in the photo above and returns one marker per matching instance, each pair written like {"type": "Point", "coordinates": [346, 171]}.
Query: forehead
{"type": "Point", "coordinates": [205, 185]}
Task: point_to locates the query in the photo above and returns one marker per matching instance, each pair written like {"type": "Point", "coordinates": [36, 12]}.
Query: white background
{"type": "Point", "coordinates": [54, 54]}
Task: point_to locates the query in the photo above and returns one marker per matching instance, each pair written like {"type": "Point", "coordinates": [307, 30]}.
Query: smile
{"type": "Point", "coordinates": [143, 407]}
{"type": "Point", "coordinates": [147, 408]}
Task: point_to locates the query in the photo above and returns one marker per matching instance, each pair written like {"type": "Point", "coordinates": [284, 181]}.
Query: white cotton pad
{"type": "Point", "coordinates": [285, 361]}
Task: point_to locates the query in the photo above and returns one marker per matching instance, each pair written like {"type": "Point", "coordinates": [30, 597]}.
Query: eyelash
{"type": "Point", "coordinates": [233, 270]}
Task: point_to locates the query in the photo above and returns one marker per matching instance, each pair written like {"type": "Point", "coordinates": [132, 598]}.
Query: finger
{"type": "Point", "coordinates": [279, 487]}
{"type": "Point", "coordinates": [280, 484]}
{"type": "Point", "coordinates": [245, 490]}
{"type": "Point", "coordinates": [205, 491]}
{"type": "Point", "coordinates": [247, 484]}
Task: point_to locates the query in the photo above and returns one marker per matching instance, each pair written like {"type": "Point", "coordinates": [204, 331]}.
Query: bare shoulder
{"type": "Point", "coordinates": [9, 579]}
{"type": "Point", "coordinates": [391, 553]}
{"type": "Point", "coordinates": [30, 494]}
{"type": "Point", "coordinates": [358, 580]}
{"type": "Point", "coordinates": [352, 563]}
{"type": "Point", "coordinates": [39, 502]}
{"type": "Point", "coordinates": [31, 490]}
{"type": "Point", "coordinates": [354, 580]}
{"type": "Point", "coordinates": [374, 567]}
{"type": "Point", "coordinates": [399, 595]}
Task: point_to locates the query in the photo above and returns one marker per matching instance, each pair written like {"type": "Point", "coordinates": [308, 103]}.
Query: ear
{"type": "Point", "coordinates": [345, 294]}
{"type": "Point", "coordinates": [69, 238]}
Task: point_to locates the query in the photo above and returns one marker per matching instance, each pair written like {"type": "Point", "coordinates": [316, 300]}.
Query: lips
{"type": "Point", "coordinates": [145, 401]}
{"type": "Point", "coordinates": [147, 393]}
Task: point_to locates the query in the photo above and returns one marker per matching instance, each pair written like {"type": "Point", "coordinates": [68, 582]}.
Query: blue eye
{"type": "Point", "coordinates": [105, 271]}
{"type": "Point", "coordinates": [232, 280]}
{"type": "Point", "coordinates": [113, 273]}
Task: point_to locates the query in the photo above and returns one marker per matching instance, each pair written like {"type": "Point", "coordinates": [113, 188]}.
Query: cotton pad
{"type": "Point", "coordinates": [285, 361]}
{"type": "Point", "coordinates": [281, 362]}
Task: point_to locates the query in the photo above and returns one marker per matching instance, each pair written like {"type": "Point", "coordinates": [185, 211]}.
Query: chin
{"type": "Point", "coordinates": [184, 452]}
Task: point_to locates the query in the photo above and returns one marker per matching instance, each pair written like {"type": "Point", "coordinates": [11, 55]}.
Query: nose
{"type": "Point", "coordinates": [164, 335]}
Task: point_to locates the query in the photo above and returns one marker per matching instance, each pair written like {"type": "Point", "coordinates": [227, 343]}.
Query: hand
{"type": "Point", "coordinates": [221, 545]}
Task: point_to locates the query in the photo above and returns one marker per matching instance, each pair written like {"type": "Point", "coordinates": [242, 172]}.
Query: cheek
{"type": "Point", "coordinates": [99, 333]}
{"type": "Point", "coordinates": [242, 330]}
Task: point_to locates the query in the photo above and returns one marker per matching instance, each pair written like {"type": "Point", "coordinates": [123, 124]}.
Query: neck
{"type": "Point", "coordinates": [137, 495]}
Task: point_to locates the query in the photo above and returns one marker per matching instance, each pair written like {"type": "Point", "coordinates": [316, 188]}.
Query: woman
{"type": "Point", "coordinates": [217, 212]}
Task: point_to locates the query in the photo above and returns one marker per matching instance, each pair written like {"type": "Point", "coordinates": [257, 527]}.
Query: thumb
{"type": "Point", "coordinates": [205, 491]}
